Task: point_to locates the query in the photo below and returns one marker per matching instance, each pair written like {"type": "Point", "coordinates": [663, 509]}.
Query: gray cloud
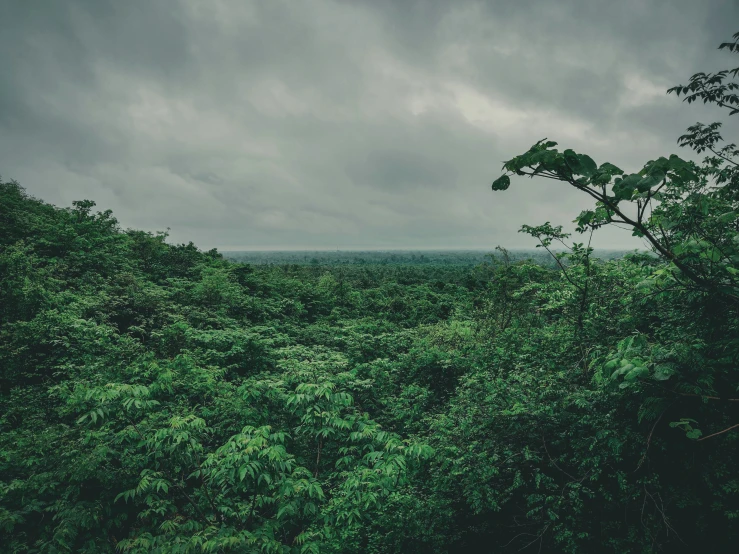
{"type": "Point", "coordinates": [399, 170]}
{"type": "Point", "coordinates": [374, 123]}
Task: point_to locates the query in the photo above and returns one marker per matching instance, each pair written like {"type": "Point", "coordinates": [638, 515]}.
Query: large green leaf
{"type": "Point", "coordinates": [588, 167]}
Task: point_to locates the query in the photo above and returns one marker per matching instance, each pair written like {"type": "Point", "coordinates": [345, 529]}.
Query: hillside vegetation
{"type": "Point", "coordinates": [155, 398]}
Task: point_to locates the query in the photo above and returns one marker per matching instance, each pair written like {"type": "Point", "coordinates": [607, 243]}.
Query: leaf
{"type": "Point", "coordinates": [502, 183]}
{"type": "Point", "coordinates": [628, 366]}
{"type": "Point", "coordinates": [588, 167]}
{"type": "Point", "coordinates": [610, 169]}
{"type": "Point", "coordinates": [649, 182]}
{"type": "Point", "coordinates": [572, 160]}
{"type": "Point", "coordinates": [584, 218]}
{"type": "Point", "coordinates": [675, 163]}
{"type": "Point", "coordinates": [624, 188]}
{"type": "Point", "coordinates": [662, 372]}
{"type": "Point", "coordinates": [727, 217]}
{"type": "Point", "coordinates": [713, 254]}
{"type": "Point", "coordinates": [638, 371]}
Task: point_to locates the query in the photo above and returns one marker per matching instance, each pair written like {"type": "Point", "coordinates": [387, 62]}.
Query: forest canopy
{"type": "Point", "coordinates": [158, 398]}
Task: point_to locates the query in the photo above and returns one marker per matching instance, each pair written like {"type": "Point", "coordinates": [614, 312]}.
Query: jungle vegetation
{"type": "Point", "coordinates": [156, 398]}
{"type": "Point", "coordinates": [468, 258]}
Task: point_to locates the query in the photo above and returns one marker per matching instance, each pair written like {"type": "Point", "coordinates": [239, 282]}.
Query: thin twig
{"type": "Point", "coordinates": [720, 432]}
{"type": "Point", "coordinates": [649, 438]}
{"type": "Point", "coordinates": [555, 463]}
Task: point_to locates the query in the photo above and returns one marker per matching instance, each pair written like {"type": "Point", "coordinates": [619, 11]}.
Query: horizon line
{"type": "Point", "coordinates": [380, 249]}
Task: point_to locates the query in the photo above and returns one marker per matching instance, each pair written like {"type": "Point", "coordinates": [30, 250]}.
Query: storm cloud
{"type": "Point", "coordinates": [357, 124]}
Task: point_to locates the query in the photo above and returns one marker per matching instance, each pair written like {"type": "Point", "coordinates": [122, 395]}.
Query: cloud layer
{"type": "Point", "coordinates": [351, 124]}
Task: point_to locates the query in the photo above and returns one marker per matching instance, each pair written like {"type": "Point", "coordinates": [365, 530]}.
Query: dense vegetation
{"type": "Point", "coordinates": [469, 258]}
{"type": "Point", "coordinates": [156, 398]}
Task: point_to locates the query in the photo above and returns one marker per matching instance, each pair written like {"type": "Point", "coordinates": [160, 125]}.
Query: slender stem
{"type": "Point", "coordinates": [724, 157]}
{"type": "Point", "coordinates": [720, 432]}
{"type": "Point", "coordinates": [318, 457]}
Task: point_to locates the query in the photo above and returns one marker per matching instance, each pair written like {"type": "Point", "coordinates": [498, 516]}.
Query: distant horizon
{"type": "Point", "coordinates": [308, 250]}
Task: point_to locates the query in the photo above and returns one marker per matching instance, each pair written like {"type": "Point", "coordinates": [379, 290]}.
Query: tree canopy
{"type": "Point", "coordinates": [158, 398]}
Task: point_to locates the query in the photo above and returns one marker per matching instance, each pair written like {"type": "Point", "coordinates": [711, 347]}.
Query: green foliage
{"type": "Point", "coordinates": [675, 359]}
{"type": "Point", "coordinates": [156, 398]}
{"type": "Point", "coordinates": [146, 409]}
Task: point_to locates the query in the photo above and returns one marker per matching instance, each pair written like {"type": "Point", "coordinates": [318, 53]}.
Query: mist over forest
{"type": "Point", "coordinates": [573, 387]}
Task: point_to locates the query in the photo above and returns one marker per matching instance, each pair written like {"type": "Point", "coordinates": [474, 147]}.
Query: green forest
{"type": "Point", "coordinates": [157, 398]}
{"type": "Point", "coordinates": [468, 258]}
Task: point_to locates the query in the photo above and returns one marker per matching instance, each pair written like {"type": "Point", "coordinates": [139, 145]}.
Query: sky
{"type": "Point", "coordinates": [318, 124]}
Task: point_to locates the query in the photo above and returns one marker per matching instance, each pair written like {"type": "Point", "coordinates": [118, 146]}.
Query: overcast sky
{"type": "Point", "coordinates": [352, 124]}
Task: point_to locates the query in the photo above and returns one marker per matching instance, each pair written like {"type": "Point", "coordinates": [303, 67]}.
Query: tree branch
{"type": "Point", "coordinates": [720, 432]}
